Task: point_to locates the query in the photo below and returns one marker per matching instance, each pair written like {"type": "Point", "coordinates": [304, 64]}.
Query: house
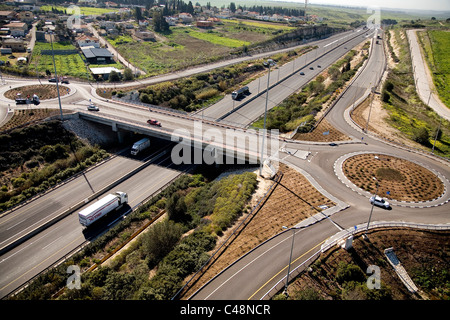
{"type": "Point", "coordinates": [7, 15]}
{"type": "Point", "coordinates": [204, 24]}
{"type": "Point", "coordinates": [17, 28]}
{"type": "Point", "coordinates": [145, 35]}
{"type": "Point", "coordinates": [87, 41]}
{"type": "Point", "coordinates": [104, 72]}
{"type": "Point", "coordinates": [97, 55]}
{"type": "Point", "coordinates": [172, 21]}
{"type": "Point", "coordinates": [186, 17]}
{"type": "Point", "coordinates": [16, 45]}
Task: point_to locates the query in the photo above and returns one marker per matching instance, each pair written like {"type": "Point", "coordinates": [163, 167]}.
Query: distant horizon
{"type": "Point", "coordinates": [429, 5]}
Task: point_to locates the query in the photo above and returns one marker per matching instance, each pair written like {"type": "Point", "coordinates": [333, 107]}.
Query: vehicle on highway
{"type": "Point", "coordinates": [333, 144]}
{"type": "Point", "coordinates": [302, 73]}
{"type": "Point", "coordinates": [140, 146]}
{"type": "Point", "coordinates": [319, 66]}
{"type": "Point", "coordinates": [102, 207]}
{"type": "Point", "coordinates": [240, 93]}
{"type": "Point", "coordinates": [154, 122]}
{"type": "Point", "coordinates": [52, 80]}
{"type": "Point", "coordinates": [380, 202]}
{"type": "Point", "coordinates": [93, 107]}
{"type": "Point", "coordinates": [311, 68]}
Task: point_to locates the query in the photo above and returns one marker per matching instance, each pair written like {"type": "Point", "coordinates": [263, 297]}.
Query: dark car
{"type": "Point", "coordinates": [52, 80]}
{"type": "Point", "coordinates": [302, 73]}
{"type": "Point", "coordinates": [311, 68]}
{"type": "Point", "coordinates": [154, 122]}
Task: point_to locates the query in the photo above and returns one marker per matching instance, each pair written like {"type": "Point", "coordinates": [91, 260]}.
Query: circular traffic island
{"type": "Point", "coordinates": [43, 91]}
{"type": "Point", "coordinates": [397, 178]}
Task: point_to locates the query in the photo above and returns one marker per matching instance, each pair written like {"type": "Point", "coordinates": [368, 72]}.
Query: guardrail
{"type": "Point", "coordinates": [339, 237]}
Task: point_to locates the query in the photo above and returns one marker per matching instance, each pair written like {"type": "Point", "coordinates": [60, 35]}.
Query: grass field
{"type": "Point", "coordinates": [83, 10]}
{"type": "Point", "coordinates": [183, 47]}
{"type": "Point", "coordinates": [407, 112]}
{"type": "Point", "coordinates": [66, 65]}
{"type": "Point", "coordinates": [437, 47]}
{"type": "Point", "coordinates": [258, 24]}
{"type": "Point", "coordinates": [218, 38]}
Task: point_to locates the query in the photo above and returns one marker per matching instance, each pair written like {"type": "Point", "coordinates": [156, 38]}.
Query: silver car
{"type": "Point", "coordinates": [92, 107]}
{"type": "Point", "coordinates": [380, 202]}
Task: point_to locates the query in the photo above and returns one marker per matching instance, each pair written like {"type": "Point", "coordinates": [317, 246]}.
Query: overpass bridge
{"type": "Point", "coordinates": [198, 141]}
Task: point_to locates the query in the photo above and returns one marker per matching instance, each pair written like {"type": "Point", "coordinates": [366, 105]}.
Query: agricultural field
{"type": "Point", "coordinates": [436, 44]}
{"type": "Point", "coordinates": [183, 47]}
{"type": "Point", "coordinates": [83, 10]}
{"type": "Point", "coordinates": [66, 65]}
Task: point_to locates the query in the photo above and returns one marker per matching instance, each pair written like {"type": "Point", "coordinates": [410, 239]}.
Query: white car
{"type": "Point", "coordinates": [380, 202]}
{"type": "Point", "coordinates": [92, 107]}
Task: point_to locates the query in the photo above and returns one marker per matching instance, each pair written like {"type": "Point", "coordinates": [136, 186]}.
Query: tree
{"type": "Point", "coordinates": [160, 240]}
{"type": "Point", "coordinates": [128, 74]}
{"type": "Point", "coordinates": [233, 7]}
{"type": "Point", "coordinates": [190, 8]}
{"type": "Point", "coordinates": [114, 76]}
{"type": "Point", "coordinates": [138, 13]}
{"type": "Point", "coordinates": [421, 135]}
{"type": "Point", "coordinates": [159, 22]}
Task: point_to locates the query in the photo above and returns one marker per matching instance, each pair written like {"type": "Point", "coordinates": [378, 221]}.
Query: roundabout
{"type": "Point", "coordinates": [402, 181]}
{"type": "Point", "coordinates": [44, 91]}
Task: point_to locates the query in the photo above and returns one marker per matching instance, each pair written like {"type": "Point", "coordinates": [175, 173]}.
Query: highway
{"type": "Point", "coordinates": [249, 108]}
{"type": "Point", "coordinates": [267, 264]}
{"type": "Point", "coordinates": [34, 255]}
{"type": "Point", "coordinates": [42, 250]}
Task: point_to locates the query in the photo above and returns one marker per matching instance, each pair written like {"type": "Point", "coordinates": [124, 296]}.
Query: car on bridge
{"type": "Point", "coordinates": [380, 202]}
{"type": "Point", "coordinates": [154, 122]}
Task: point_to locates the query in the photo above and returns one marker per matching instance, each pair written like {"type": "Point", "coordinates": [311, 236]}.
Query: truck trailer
{"type": "Point", "coordinates": [239, 93]}
{"type": "Point", "coordinates": [102, 207]}
{"type": "Point", "coordinates": [140, 145]}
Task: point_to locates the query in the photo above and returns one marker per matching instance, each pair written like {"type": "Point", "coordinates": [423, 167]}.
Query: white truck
{"type": "Point", "coordinates": [102, 207]}
{"type": "Point", "coordinates": [140, 145]}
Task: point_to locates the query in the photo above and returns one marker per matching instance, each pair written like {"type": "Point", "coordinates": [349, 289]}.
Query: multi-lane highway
{"type": "Point", "coordinates": [29, 258]}
{"type": "Point", "coordinates": [252, 276]}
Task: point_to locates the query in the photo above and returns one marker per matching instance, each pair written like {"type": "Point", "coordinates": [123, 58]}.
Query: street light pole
{"type": "Point", "coordinates": [270, 61]}
{"type": "Point", "coordinates": [56, 76]}
{"type": "Point", "coordinates": [373, 203]}
{"type": "Point", "coordinates": [290, 259]}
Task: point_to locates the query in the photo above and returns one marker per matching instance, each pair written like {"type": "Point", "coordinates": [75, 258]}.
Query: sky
{"type": "Point", "coordinates": [437, 5]}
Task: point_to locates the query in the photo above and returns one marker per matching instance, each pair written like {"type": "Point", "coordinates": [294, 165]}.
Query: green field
{"type": "Point", "coordinates": [218, 38]}
{"type": "Point", "coordinates": [258, 24]}
{"type": "Point", "coordinates": [66, 65]}
{"type": "Point", "coordinates": [83, 10]}
{"type": "Point", "coordinates": [439, 62]}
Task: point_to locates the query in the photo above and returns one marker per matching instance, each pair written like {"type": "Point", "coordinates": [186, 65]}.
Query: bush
{"type": "Point", "coordinates": [421, 135]}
